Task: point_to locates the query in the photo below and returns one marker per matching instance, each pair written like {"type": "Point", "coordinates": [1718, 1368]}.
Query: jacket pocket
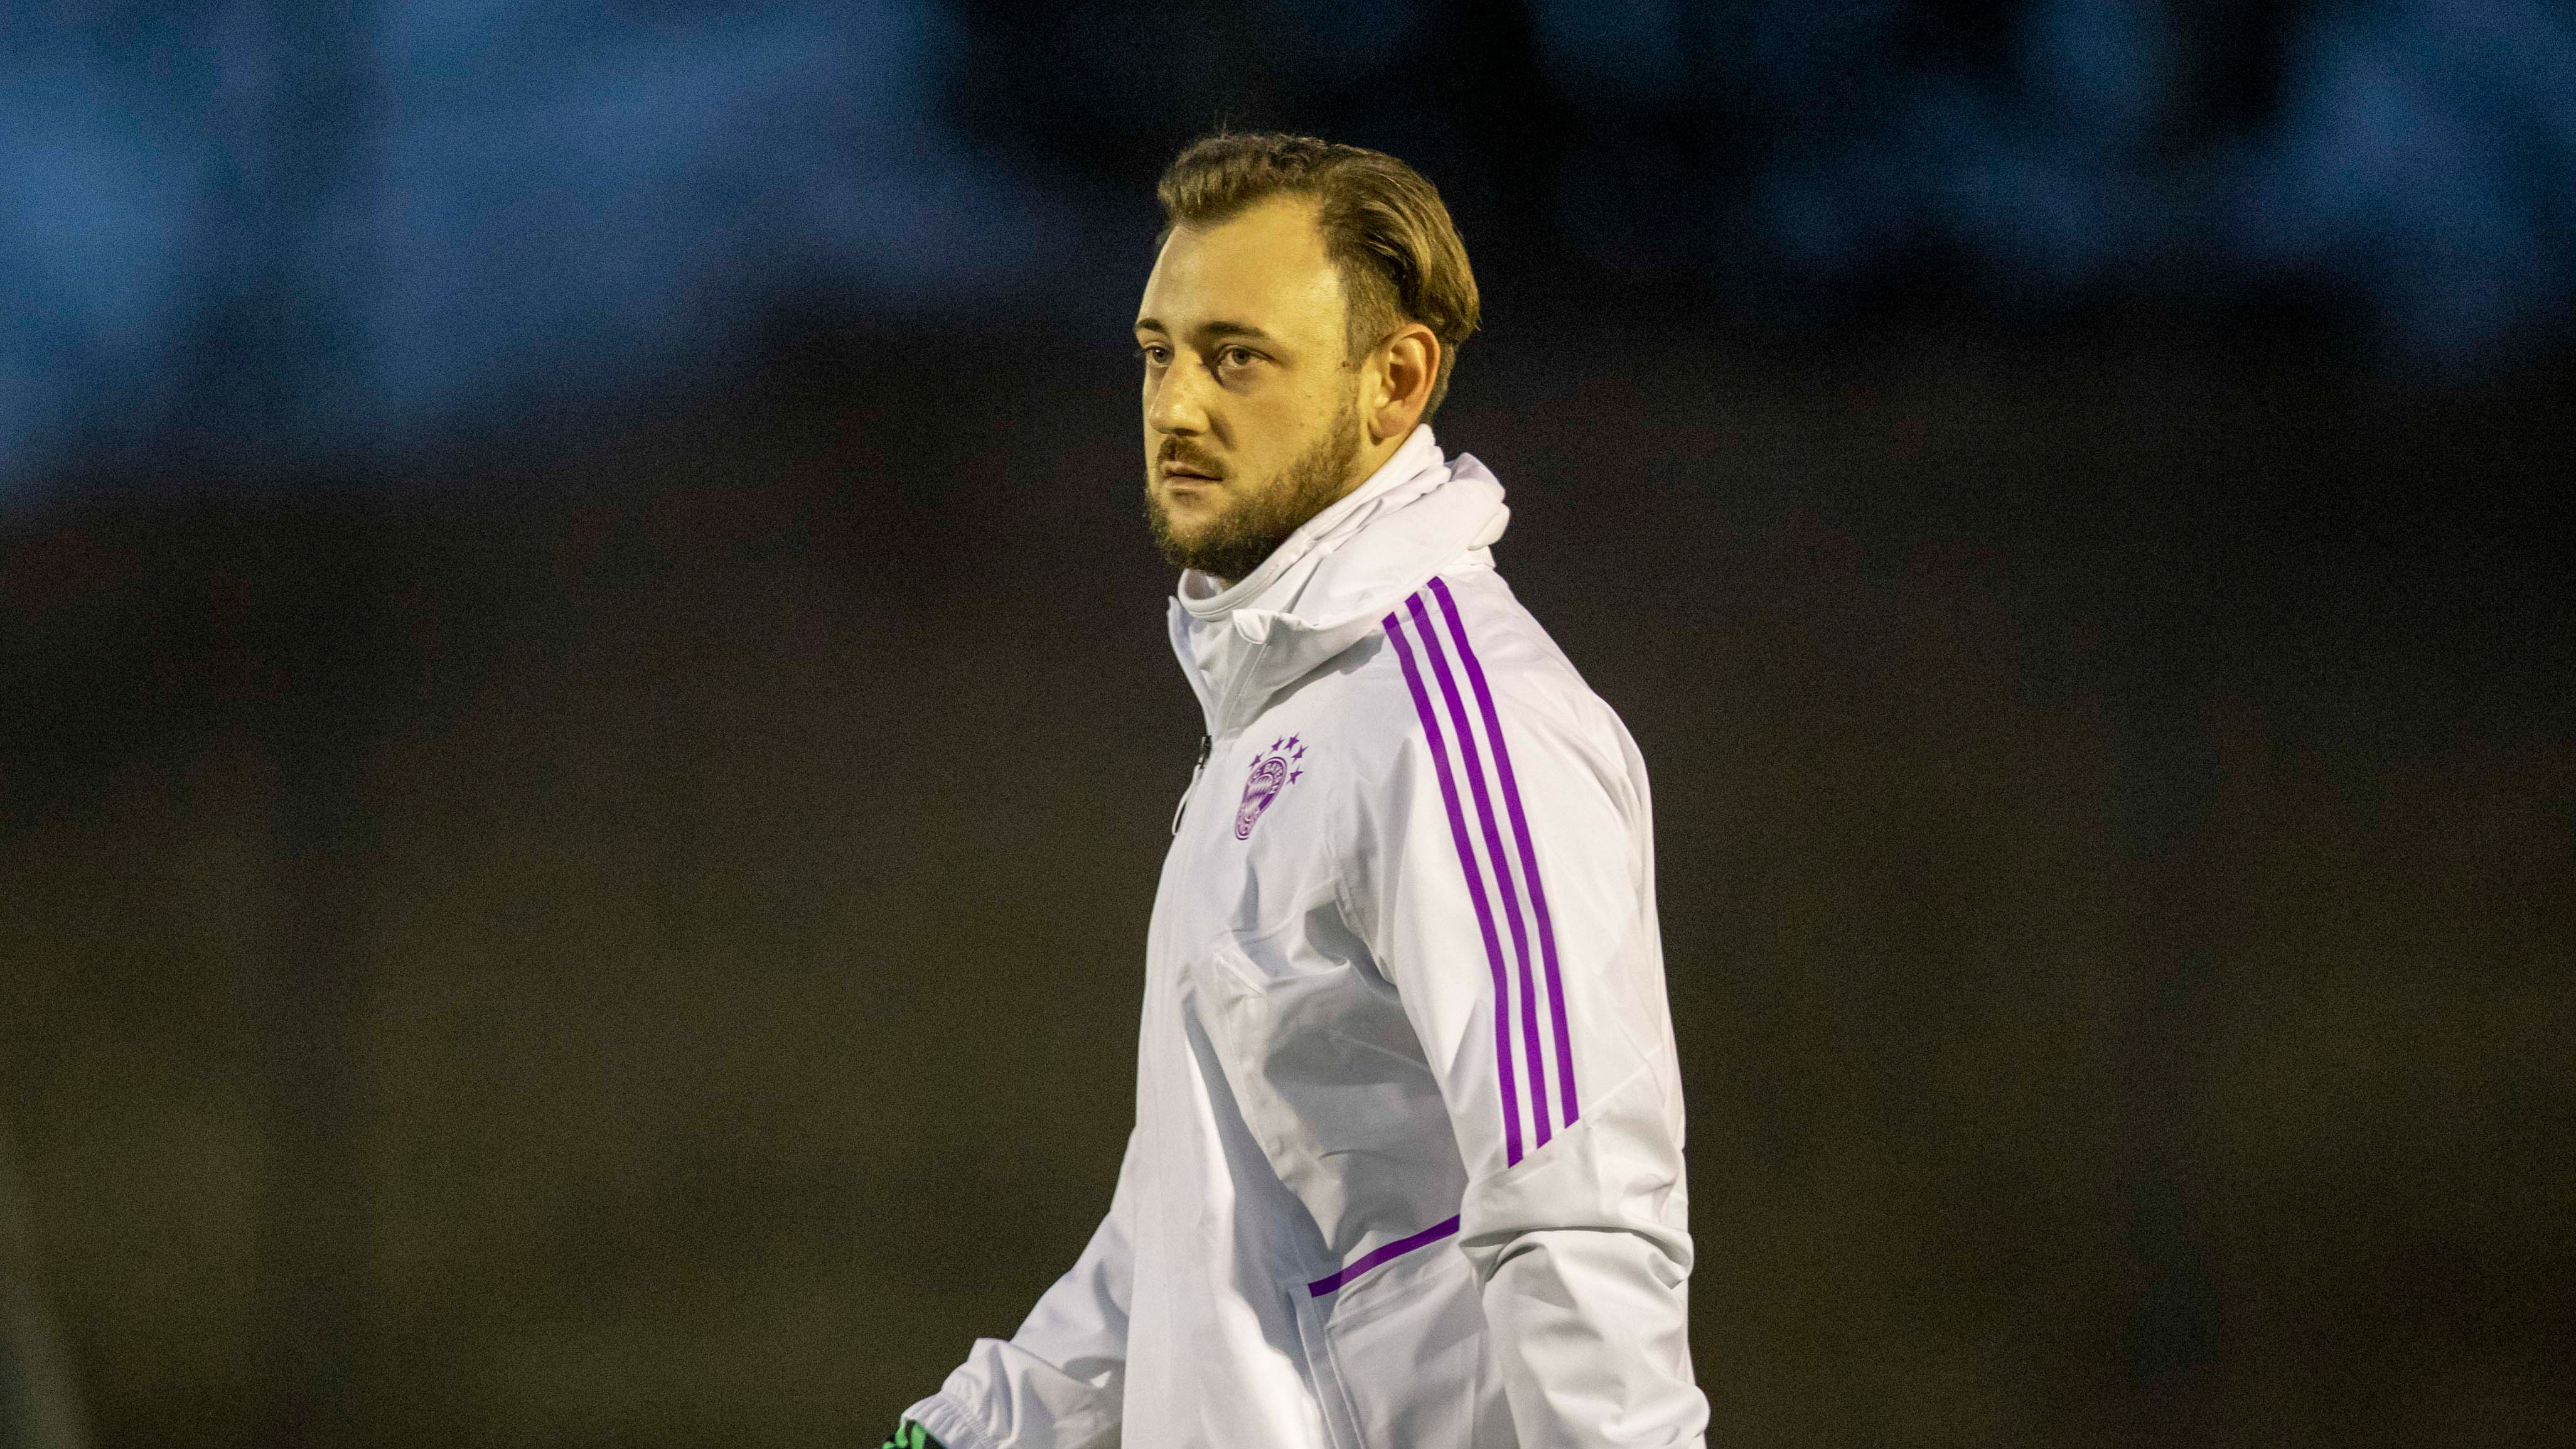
{"type": "Point", "coordinates": [1331, 1085]}
{"type": "Point", "coordinates": [1241, 1006]}
{"type": "Point", "coordinates": [1408, 1347]}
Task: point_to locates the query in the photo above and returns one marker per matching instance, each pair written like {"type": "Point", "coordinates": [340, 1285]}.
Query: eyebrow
{"type": "Point", "coordinates": [1211, 329]}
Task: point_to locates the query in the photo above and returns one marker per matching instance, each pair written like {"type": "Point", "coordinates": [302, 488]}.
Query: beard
{"type": "Point", "coordinates": [1233, 544]}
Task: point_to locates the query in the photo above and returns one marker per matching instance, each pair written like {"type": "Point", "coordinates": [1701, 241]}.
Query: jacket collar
{"type": "Point", "coordinates": [1329, 583]}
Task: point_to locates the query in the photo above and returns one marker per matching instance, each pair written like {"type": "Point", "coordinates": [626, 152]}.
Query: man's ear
{"type": "Point", "coordinates": [1408, 364]}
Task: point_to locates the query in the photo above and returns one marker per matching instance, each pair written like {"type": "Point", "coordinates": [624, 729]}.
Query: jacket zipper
{"type": "Point", "coordinates": [1206, 743]}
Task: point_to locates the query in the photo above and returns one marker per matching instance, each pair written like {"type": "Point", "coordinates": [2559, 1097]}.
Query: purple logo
{"type": "Point", "coordinates": [1273, 772]}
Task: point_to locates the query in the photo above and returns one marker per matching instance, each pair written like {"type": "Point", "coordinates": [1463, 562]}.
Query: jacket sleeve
{"type": "Point", "coordinates": [1058, 1383]}
{"type": "Point", "coordinates": [1506, 888]}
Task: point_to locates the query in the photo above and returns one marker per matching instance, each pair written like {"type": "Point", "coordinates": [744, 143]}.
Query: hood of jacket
{"type": "Point", "coordinates": [1329, 583]}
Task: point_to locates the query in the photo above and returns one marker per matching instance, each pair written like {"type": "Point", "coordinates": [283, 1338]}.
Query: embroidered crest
{"type": "Point", "coordinates": [1275, 770]}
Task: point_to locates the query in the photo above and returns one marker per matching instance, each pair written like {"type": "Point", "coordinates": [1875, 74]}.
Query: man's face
{"type": "Point", "coordinates": [1251, 406]}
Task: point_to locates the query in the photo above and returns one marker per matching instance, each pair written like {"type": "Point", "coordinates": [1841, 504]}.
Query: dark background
{"type": "Point", "coordinates": [587, 733]}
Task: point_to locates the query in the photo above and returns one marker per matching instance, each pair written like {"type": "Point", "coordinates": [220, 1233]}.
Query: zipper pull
{"type": "Point", "coordinates": [1206, 743]}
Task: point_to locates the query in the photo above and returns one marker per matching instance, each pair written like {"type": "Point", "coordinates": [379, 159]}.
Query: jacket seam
{"type": "Point", "coordinates": [1337, 820]}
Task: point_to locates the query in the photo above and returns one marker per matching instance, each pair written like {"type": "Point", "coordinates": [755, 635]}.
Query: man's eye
{"type": "Point", "coordinates": [1153, 356]}
{"type": "Point", "coordinates": [1235, 357]}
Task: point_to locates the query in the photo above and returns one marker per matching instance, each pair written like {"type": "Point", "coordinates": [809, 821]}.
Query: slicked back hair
{"type": "Point", "coordinates": [1385, 228]}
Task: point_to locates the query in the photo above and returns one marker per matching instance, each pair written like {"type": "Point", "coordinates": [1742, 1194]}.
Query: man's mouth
{"type": "Point", "coordinates": [1186, 473]}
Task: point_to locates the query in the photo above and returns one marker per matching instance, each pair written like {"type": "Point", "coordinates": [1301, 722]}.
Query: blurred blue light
{"type": "Point", "coordinates": [608, 214]}
{"type": "Point", "coordinates": [538, 198]}
{"type": "Point", "coordinates": [98, 209]}
{"type": "Point", "coordinates": [2104, 69]}
{"type": "Point", "coordinates": [2425, 157]}
{"type": "Point", "coordinates": [484, 203]}
{"type": "Point", "coordinates": [2421, 165]}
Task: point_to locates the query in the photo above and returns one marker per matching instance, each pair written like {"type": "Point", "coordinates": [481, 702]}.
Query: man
{"type": "Point", "coordinates": [1406, 1169]}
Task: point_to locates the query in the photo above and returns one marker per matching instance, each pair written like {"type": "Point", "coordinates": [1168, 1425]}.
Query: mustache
{"type": "Point", "coordinates": [1175, 452]}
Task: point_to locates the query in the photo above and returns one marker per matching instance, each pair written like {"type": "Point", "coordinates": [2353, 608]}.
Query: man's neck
{"type": "Point", "coordinates": [1371, 458]}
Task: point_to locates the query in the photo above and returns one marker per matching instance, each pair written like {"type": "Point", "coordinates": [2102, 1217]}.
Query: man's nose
{"type": "Point", "coordinates": [1174, 405]}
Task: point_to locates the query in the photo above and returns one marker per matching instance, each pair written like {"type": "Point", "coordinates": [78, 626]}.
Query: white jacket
{"type": "Point", "coordinates": [1407, 1164]}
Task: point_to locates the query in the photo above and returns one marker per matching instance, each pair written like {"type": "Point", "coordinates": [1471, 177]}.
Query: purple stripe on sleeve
{"type": "Point", "coordinates": [1475, 889]}
{"type": "Point", "coordinates": [1529, 855]}
{"type": "Point", "coordinates": [1474, 763]}
{"type": "Point", "coordinates": [1374, 1256]}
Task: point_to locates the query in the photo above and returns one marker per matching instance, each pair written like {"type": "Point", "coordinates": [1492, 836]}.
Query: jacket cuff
{"type": "Point", "coordinates": [950, 1423]}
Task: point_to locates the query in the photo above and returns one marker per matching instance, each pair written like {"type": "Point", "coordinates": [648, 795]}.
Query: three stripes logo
{"type": "Point", "coordinates": [1501, 866]}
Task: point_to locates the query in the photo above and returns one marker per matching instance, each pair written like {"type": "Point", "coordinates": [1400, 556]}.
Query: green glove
{"type": "Point", "coordinates": [909, 1435]}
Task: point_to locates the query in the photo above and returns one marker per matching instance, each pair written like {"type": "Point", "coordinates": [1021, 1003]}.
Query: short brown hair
{"type": "Point", "coordinates": [1384, 227]}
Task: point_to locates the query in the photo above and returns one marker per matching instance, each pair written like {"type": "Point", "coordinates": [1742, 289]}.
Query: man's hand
{"type": "Point", "coordinates": [909, 1435]}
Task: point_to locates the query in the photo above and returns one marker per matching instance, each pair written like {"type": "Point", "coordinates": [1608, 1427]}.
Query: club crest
{"type": "Point", "coordinates": [1275, 770]}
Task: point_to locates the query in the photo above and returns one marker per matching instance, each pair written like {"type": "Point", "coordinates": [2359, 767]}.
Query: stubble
{"type": "Point", "coordinates": [1235, 542]}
